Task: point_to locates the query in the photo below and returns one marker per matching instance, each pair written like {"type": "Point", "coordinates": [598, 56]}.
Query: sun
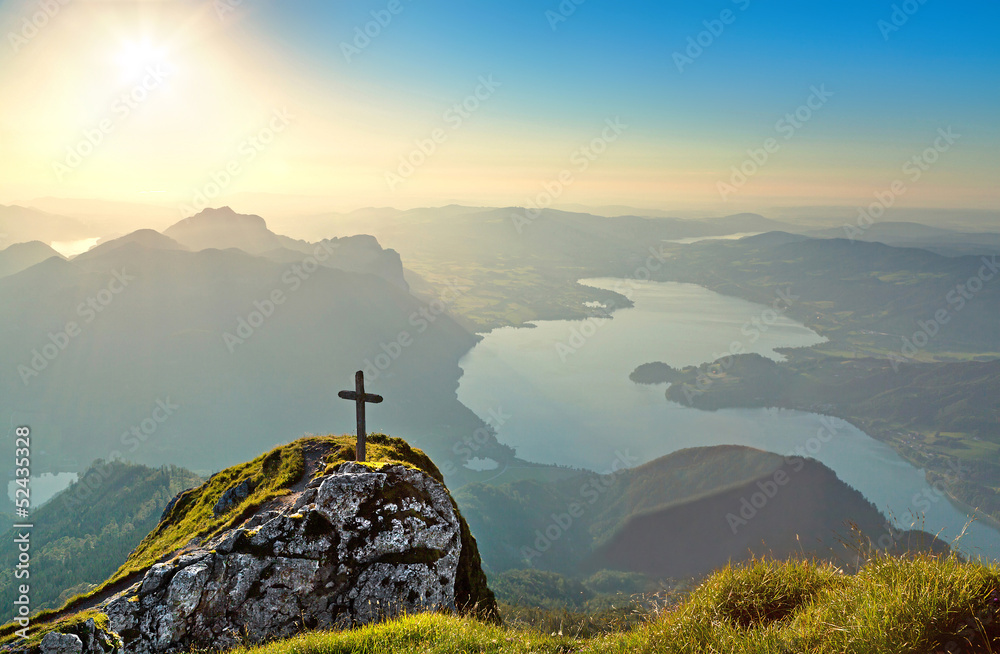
{"type": "Point", "coordinates": [134, 57]}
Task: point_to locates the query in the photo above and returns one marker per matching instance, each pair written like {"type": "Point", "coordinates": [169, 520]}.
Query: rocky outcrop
{"type": "Point", "coordinates": [233, 497]}
{"type": "Point", "coordinates": [360, 543]}
{"type": "Point", "coordinates": [85, 637]}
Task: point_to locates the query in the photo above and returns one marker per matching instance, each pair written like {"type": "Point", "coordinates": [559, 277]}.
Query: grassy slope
{"type": "Point", "coordinates": [892, 605]}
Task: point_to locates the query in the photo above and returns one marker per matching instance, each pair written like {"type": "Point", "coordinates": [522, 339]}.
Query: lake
{"type": "Point", "coordinates": [43, 487]}
{"type": "Point", "coordinates": [563, 390]}
{"type": "Point", "coordinates": [698, 239]}
{"type": "Point", "coordinates": [72, 248]}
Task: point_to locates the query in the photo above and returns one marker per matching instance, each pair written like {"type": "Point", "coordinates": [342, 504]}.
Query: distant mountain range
{"type": "Point", "coordinates": [241, 348]}
{"type": "Point", "coordinates": [213, 340]}
{"type": "Point", "coordinates": [418, 229]}
{"type": "Point", "coordinates": [22, 224]}
{"type": "Point", "coordinates": [915, 235]}
{"type": "Point", "coordinates": [870, 295]}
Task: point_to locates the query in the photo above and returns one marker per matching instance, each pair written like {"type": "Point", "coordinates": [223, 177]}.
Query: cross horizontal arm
{"type": "Point", "coordinates": [368, 397]}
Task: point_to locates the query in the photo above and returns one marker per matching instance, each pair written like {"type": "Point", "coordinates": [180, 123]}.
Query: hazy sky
{"type": "Point", "coordinates": [157, 101]}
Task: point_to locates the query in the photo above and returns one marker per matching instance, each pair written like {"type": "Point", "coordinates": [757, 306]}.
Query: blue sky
{"type": "Point", "coordinates": [561, 80]}
{"type": "Point", "coordinates": [613, 55]}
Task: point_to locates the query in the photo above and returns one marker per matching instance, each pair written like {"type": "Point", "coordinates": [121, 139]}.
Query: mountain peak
{"type": "Point", "coordinates": [223, 228]}
{"type": "Point", "coordinates": [336, 550]}
{"type": "Point", "coordinates": [225, 213]}
{"type": "Point", "coordinates": [21, 256]}
{"type": "Point", "coordinates": [146, 238]}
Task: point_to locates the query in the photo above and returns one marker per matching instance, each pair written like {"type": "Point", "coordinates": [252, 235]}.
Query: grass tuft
{"type": "Point", "coordinates": [760, 592]}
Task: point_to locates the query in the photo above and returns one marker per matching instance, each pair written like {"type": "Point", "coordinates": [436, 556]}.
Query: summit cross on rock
{"type": "Point", "coordinates": [360, 397]}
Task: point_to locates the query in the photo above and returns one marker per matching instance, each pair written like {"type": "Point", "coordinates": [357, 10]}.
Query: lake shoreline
{"type": "Point", "coordinates": [546, 378]}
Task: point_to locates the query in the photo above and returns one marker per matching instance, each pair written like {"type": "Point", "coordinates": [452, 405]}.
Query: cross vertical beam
{"type": "Point", "coordinates": [360, 398]}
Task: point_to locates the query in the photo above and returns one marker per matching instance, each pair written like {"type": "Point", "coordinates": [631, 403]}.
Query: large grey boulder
{"type": "Point", "coordinates": [85, 638]}
{"type": "Point", "coordinates": [56, 643]}
{"type": "Point", "coordinates": [356, 545]}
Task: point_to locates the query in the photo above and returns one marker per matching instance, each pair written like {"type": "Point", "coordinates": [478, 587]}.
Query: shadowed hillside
{"type": "Point", "coordinates": [732, 501]}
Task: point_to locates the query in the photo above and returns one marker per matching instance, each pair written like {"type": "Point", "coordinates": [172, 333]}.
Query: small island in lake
{"type": "Point", "coordinates": [656, 372]}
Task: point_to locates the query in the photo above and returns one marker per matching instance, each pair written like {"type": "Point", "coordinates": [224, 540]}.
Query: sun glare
{"type": "Point", "coordinates": [135, 56]}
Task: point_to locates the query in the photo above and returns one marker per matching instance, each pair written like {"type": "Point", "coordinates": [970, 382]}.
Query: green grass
{"type": "Point", "coordinates": [898, 605]}
{"type": "Point", "coordinates": [192, 515]}
{"type": "Point", "coordinates": [427, 633]}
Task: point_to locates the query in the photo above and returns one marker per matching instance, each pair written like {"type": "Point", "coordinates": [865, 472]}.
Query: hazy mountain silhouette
{"type": "Point", "coordinates": [205, 331]}
{"type": "Point", "coordinates": [147, 238]}
{"type": "Point", "coordinates": [223, 228]}
{"type": "Point", "coordinates": [21, 256]}
{"type": "Point", "coordinates": [23, 224]}
{"type": "Point", "coordinates": [916, 235]}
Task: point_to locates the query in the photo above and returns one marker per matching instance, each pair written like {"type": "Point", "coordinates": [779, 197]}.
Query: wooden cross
{"type": "Point", "coordinates": [360, 397]}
